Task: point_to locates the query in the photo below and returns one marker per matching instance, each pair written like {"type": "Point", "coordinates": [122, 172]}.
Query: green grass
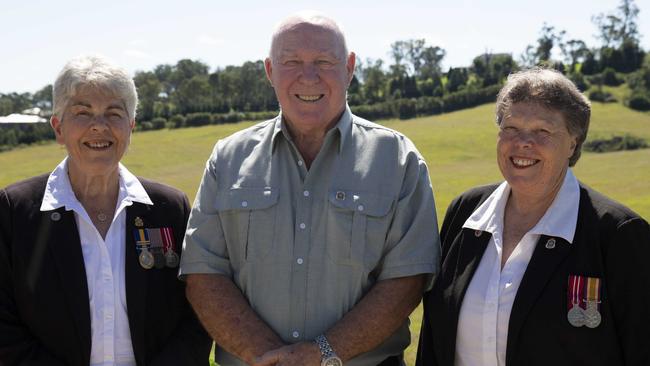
{"type": "Point", "coordinates": [459, 148]}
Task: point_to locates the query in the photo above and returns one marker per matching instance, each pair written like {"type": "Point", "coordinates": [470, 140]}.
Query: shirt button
{"type": "Point", "coordinates": [305, 193]}
{"type": "Point", "coordinates": [302, 225]}
{"type": "Point", "coordinates": [244, 203]}
{"type": "Point", "coordinates": [360, 207]}
{"type": "Point", "coordinates": [299, 261]}
{"type": "Point", "coordinates": [299, 162]}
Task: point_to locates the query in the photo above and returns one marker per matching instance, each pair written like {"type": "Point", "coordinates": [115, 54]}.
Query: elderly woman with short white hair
{"type": "Point", "coordinates": [88, 252]}
{"type": "Point", "coordinates": [540, 269]}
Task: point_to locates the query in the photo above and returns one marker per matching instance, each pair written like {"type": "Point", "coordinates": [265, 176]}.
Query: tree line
{"type": "Point", "coordinates": [411, 83]}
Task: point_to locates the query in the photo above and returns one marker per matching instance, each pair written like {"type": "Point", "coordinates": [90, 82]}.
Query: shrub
{"type": "Point", "coordinates": [197, 119]}
{"type": "Point", "coordinates": [406, 108]}
{"type": "Point", "coordinates": [611, 78]}
{"type": "Point", "coordinates": [177, 121]}
{"type": "Point", "coordinates": [601, 96]}
{"type": "Point", "coordinates": [640, 102]}
{"type": "Point", "coordinates": [158, 123]}
{"type": "Point", "coordinates": [579, 80]}
{"type": "Point", "coordinates": [146, 126]}
{"type": "Point", "coordinates": [615, 143]}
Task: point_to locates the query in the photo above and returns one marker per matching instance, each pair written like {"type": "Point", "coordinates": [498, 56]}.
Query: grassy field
{"type": "Point", "coordinates": [458, 147]}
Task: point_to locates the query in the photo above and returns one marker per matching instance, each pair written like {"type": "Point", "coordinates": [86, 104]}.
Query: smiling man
{"type": "Point", "coordinates": [313, 235]}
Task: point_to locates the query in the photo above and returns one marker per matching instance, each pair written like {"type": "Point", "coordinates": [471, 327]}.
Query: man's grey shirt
{"type": "Point", "coordinates": [305, 245]}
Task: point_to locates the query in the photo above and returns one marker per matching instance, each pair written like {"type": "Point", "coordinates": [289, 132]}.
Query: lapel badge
{"type": "Point", "coordinates": [477, 233]}
{"type": "Point", "coordinates": [550, 243]}
{"type": "Point", "coordinates": [55, 216]}
{"type": "Point", "coordinates": [340, 195]}
{"type": "Point", "coordinates": [139, 222]}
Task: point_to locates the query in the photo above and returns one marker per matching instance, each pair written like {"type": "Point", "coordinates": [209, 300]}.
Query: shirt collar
{"type": "Point", "coordinates": [344, 126]}
{"type": "Point", "coordinates": [559, 220]}
{"type": "Point", "coordinates": [59, 193]}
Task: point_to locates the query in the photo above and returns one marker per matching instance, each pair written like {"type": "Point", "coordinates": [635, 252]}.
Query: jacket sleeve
{"type": "Point", "coordinates": [17, 345]}
{"type": "Point", "coordinates": [189, 344]}
{"type": "Point", "coordinates": [628, 281]}
{"type": "Point", "coordinates": [425, 353]}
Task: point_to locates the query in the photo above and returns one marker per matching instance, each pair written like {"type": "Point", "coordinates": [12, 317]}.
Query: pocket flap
{"type": "Point", "coordinates": [246, 199]}
{"type": "Point", "coordinates": [368, 203]}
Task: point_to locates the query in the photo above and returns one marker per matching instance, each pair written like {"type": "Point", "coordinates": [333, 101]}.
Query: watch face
{"type": "Point", "coordinates": [332, 361]}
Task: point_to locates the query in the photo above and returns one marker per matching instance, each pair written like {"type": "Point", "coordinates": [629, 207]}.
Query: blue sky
{"type": "Point", "coordinates": [38, 37]}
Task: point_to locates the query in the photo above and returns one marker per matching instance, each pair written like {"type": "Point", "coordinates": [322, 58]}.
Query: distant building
{"type": "Point", "coordinates": [28, 117]}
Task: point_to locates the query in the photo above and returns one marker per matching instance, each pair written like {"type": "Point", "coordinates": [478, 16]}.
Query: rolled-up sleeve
{"type": "Point", "coordinates": [413, 244]}
{"type": "Point", "coordinates": [204, 246]}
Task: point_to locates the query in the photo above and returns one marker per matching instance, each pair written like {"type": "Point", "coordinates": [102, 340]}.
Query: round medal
{"type": "Point", "coordinates": [146, 259]}
{"type": "Point", "coordinates": [576, 316]}
{"type": "Point", "coordinates": [592, 317]}
{"type": "Point", "coordinates": [172, 259]}
{"type": "Point", "coordinates": [158, 259]}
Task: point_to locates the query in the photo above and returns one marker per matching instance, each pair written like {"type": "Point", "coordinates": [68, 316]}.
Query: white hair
{"type": "Point", "coordinates": [95, 72]}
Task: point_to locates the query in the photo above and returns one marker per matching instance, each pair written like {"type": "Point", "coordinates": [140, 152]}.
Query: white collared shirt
{"type": "Point", "coordinates": [104, 261]}
{"type": "Point", "coordinates": [485, 312]}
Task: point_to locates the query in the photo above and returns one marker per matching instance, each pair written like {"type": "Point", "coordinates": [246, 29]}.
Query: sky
{"type": "Point", "coordinates": [37, 37]}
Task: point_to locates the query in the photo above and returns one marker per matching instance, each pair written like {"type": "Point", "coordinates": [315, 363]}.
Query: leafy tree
{"type": "Point", "coordinates": [456, 79]}
{"type": "Point", "coordinates": [574, 51]}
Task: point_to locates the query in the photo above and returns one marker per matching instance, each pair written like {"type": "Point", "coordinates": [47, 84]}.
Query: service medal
{"type": "Point", "coordinates": [146, 259]}
{"type": "Point", "coordinates": [576, 314]}
{"type": "Point", "coordinates": [171, 259]}
{"type": "Point", "coordinates": [592, 313]}
{"type": "Point", "coordinates": [169, 246]}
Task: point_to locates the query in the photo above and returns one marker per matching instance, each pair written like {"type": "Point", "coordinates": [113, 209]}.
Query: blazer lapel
{"type": "Point", "coordinates": [65, 247]}
{"type": "Point", "coordinates": [136, 281]}
{"type": "Point", "coordinates": [470, 246]}
{"type": "Point", "coordinates": [541, 267]}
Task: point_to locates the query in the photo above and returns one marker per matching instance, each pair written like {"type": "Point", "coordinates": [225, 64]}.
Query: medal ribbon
{"type": "Point", "coordinates": [593, 290]}
{"type": "Point", "coordinates": [141, 239]}
{"type": "Point", "coordinates": [168, 239]}
{"type": "Point", "coordinates": [576, 290]}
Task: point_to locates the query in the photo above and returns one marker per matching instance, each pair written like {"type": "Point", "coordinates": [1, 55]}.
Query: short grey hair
{"type": "Point", "coordinates": [95, 72]}
{"type": "Point", "coordinates": [312, 18]}
{"type": "Point", "coordinates": [552, 90]}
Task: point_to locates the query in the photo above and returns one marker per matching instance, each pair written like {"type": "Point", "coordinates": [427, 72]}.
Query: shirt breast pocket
{"type": "Point", "coordinates": [248, 219]}
{"type": "Point", "coordinates": [357, 224]}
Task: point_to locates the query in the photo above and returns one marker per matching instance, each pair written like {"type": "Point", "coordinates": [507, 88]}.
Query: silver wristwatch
{"type": "Point", "coordinates": [328, 356]}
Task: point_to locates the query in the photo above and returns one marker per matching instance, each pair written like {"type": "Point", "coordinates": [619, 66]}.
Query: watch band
{"type": "Point", "coordinates": [325, 348]}
{"type": "Point", "coordinates": [328, 356]}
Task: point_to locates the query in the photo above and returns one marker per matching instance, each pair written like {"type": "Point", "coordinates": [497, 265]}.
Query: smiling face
{"type": "Point", "coordinates": [310, 73]}
{"type": "Point", "coordinates": [95, 129]}
{"type": "Point", "coordinates": [533, 150]}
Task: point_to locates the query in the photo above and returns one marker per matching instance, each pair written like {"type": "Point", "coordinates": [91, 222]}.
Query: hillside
{"type": "Point", "coordinates": [459, 148]}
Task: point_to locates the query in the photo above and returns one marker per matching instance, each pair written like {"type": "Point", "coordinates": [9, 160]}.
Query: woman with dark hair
{"type": "Point", "coordinates": [540, 269]}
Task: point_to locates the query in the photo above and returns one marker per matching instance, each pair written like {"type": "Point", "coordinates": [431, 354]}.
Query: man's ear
{"type": "Point", "coordinates": [349, 65]}
{"type": "Point", "coordinates": [268, 67]}
{"type": "Point", "coordinates": [57, 126]}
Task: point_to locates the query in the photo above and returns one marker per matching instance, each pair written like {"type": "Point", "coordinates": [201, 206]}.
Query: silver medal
{"type": "Point", "coordinates": [576, 316]}
{"type": "Point", "coordinates": [592, 315]}
{"type": "Point", "coordinates": [172, 259]}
